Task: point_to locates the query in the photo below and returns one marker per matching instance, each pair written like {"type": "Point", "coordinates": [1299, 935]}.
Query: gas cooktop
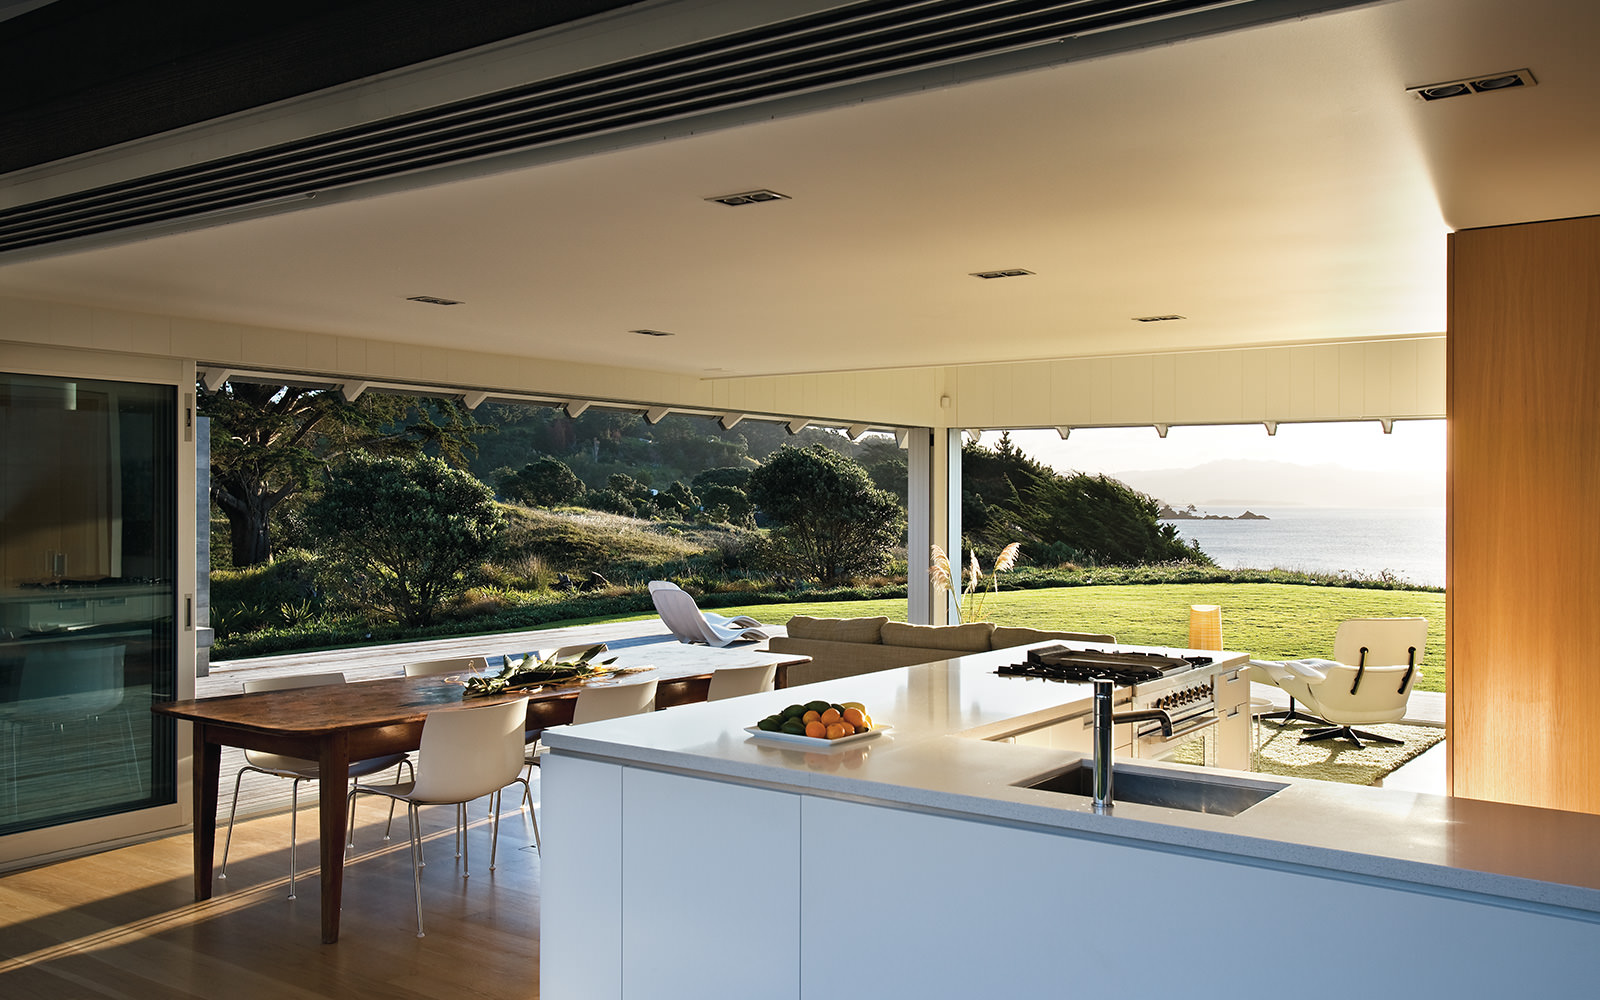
{"type": "Point", "coordinates": [1061, 663]}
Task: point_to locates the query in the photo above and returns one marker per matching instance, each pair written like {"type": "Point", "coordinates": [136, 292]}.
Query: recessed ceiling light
{"type": "Point", "coordinates": [651, 333]}
{"type": "Point", "coordinates": [1158, 319]}
{"type": "Point", "coordinates": [1010, 272]}
{"type": "Point", "coordinates": [749, 197]}
{"type": "Point", "coordinates": [433, 300]}
{"type": "Point", "coordinates": [1473, 85]}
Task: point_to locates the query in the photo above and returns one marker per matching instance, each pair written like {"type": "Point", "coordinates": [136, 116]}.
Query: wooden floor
{"type": "Point", "coordinates": [124, 923]}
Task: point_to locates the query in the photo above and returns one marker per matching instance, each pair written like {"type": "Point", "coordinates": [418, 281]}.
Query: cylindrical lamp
{"type": "Point", "coordinates": [1205, 626]}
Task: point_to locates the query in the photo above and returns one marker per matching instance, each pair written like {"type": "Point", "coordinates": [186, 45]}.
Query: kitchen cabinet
{"type": "Point", "coordinates": [924, 862]}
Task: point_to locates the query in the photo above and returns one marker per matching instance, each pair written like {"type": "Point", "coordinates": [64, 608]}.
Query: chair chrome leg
{"type": "Point", "coordinates": [416, 860]}
{"type": "Point", "coordinates": [410, 767]}
{"type": "Point", "coordinates": [1291, 715]}
{"type": "Point", "coordinates": [494, 838]}
{"type": "Point", "coordinates": [294, 818]}
{"type": "Point", "coordinates": [527, 803]}
{"type": "Point", "coordinates": [461, 840]}
{"type": "Point", "coordinates": [228, 842]}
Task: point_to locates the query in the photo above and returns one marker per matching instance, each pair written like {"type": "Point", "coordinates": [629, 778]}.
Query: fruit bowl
{"type": "Point", "coordinates": [812, 743]}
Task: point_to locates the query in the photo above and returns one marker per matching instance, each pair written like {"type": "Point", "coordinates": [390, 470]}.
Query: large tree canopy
{"type": "Point", "coordinates": [831, 521]}
{"type": "Point", "coordinates": [271, 442]}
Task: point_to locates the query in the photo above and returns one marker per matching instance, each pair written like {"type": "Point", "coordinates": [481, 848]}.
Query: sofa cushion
{"type": "Point", "coordinates": [1006, 636]}
{"type": "Point", "coordinates": [970, 638]}
{"type": "Point", "coordinates": [836, 629]}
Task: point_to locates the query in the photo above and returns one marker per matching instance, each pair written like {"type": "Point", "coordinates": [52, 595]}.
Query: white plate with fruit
{"type": "Point", "coordinates": [818, 725]}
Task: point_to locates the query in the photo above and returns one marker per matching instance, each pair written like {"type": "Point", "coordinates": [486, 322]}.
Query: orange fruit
{"type": "Point", "coordinates": [855, 717]}
{"type": "Point", "coordinates": [815, 729]}
{"type": "Point", "coordinates": [810, 717]}
{"type": "Point", "coordinates": [830, 716]}
{"type": "Point", "coordinates": [836, 730]}
{"type": "Point", "coordinates": [849, 730]}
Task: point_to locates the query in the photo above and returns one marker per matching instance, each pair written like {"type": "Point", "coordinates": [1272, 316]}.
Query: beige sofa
{"type": "Point", "coordinates": [844, 647]}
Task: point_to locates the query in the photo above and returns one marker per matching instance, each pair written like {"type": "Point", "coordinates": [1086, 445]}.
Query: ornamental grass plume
{"type": "Point", "coordinates": [973, 593]}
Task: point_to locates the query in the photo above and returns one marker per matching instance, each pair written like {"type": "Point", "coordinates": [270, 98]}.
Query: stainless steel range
{"type": "Point", "coordinates": [1194, 691]}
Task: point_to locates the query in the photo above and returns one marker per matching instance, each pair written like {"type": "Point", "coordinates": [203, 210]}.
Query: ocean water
{"type": "Point", "coordinates": [1407, 542]}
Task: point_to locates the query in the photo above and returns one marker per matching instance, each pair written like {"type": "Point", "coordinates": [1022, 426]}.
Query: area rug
{"type": "Point", "coordinates": [1279, 751]}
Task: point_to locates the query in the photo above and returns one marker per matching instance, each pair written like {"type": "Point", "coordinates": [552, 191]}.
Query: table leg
{"type": "Point", "coordinates": [332, 786]}
{"type": "Point", "coordinates": [207, 768]}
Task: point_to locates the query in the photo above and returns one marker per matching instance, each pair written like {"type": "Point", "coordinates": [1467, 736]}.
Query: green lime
{"type": "Point", "coordinates": [794, 727]}
{"type": "Point", "coordinates": [792, 712]}
{"type": "Point", "coordinates": [814, 706]}
{"type": "Point", "coordinates": [770, 724]}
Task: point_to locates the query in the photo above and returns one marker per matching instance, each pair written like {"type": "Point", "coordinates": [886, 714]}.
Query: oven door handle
{"type": "Point", "coordinates": [1180, 731]}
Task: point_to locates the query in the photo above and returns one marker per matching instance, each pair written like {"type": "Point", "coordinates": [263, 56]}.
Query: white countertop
{"type": "Point", "coordinates": [932, 760]}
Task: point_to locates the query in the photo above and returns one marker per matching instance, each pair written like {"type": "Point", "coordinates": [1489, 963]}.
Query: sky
{"type": "Point", "coordinates": [1414, 446]}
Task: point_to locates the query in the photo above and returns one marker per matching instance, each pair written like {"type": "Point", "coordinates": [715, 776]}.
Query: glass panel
{"type": "Point", "coordinates": [88, 516]}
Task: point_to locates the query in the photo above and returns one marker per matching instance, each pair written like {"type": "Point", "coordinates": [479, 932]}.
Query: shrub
{"type": "Point", "coordinates": [833, 524]}
{"type": "Point", "coordinates": [545, 483]}
{"type": "Point", "coordinates": [403, 535]}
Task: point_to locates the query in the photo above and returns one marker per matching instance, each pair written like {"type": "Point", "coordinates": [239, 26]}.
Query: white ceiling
{"type": "Point", "coordinates": [1273, 186]}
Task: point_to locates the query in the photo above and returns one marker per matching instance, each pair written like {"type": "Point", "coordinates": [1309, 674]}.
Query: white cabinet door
{"type": "Point", "coordinates": [711, 888]}
{"type": "Point", "coordinates": [580, 873]}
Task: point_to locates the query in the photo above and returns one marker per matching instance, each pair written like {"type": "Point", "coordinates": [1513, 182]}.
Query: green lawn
{"type": "Point", "coordinates": [1268, 620]}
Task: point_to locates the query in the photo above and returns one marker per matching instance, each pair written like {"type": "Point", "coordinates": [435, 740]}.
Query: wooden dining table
{"type": "Point", "coordinates": [337, 724]}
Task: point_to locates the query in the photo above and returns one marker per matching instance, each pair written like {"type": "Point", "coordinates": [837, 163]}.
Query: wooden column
{"type": "Point", "coordinates": [1524, 514]}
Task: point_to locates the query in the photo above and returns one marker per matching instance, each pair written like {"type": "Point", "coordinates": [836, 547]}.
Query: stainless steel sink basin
{"type": "Point", "coordinates": [1212, 794]}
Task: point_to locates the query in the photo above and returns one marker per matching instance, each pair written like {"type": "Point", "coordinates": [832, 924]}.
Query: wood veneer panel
{"type": "Point", "coordinates": [1524, 496]}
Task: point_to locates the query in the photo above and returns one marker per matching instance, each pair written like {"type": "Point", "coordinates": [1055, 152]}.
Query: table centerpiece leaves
{"type": "Point", "coordinates": [533, 671]}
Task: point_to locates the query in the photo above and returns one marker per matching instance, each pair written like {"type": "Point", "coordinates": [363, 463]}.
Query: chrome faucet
{"type": "Point", "coordinates": [1104, 720]}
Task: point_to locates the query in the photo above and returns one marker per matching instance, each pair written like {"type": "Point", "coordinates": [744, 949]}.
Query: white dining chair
{"type": "Point", "coordinates": [734, 682]}
{"type": "Point", "coordinates": [296, 769]}
{"type": "Point", "coordinates": [594, 704]}
{"type": "Point", "coordinates": [448, 665]}
{"type": "Point", "coordinates": [466, 753]}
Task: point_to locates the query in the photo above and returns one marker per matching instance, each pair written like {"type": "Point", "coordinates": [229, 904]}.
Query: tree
{"type": "Point", "coordinates": [1007, 496]}
{"type": "Point", "coordinates": [545, 483]}
{"type": "Point", "coordinates": [403, 534]}
{"type": "Point", "coordinates": [831, 521]}
{"type": "Point", "coordinates": [271, 442]}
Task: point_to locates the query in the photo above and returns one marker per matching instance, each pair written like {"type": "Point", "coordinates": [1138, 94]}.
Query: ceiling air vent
{"type": "Point", "coordinates": [1473, 85]}
{"type": "Point", "coordinates": [1011, 272]}
{"type": "Point", "coordinates": [651, 333]}
{"type": "Point", "coordinates": [749, 197]}
{"type": "Point", "coordinates": [433, 300]}
{"type": "Point", "coordinates": [1158, 319]}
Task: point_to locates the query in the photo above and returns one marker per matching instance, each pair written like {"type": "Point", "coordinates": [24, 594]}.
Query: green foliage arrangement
{"type": "Point", "coordinates": [831, 522]}
{"type": "Point", "coordinates": [402, 535]}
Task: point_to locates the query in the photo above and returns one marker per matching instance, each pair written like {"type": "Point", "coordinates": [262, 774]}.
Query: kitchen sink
{"type": "Point", "coordinates": [1212, 794]}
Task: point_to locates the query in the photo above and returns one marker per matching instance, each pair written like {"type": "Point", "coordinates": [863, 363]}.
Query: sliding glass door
{"type": "Point", "coordinates": [88, 610]}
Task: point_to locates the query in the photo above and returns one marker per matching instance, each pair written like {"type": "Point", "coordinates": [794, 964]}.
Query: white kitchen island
{"type": "Point", "coordinates": [684, 859]}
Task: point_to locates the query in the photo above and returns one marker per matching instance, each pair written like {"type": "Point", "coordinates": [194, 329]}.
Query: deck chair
{"type": "Point", "coordinates": [689, 624]}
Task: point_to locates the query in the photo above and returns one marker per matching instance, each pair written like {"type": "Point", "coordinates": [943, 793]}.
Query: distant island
{"type": "Point", "coordinates": [1167, 513]}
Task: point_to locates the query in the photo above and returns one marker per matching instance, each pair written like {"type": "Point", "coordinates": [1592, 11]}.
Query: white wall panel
{"type": "Point", "coordinates": [1352, 379]}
